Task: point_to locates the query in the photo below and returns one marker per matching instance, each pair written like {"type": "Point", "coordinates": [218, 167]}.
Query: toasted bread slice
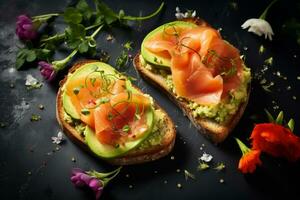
{"type": "Point", "coordinates": [134, 156]}
{"type": "Point", "coordinates": [216, 132]}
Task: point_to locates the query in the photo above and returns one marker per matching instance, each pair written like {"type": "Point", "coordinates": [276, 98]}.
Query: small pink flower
{"type": "Point", "coordinates": [25, 28]}
{"type": "Point", "coordinates": [47, 70]}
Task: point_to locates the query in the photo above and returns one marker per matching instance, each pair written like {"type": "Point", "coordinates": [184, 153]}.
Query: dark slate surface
{"type": "Point", "coordinates": [25, 147]}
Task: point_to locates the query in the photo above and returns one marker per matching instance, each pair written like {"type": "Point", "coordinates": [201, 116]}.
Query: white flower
{"type": "Point", "coordinates": [188, 14]}
{"type": "Point", "coordinates": [30, 80]}
{"type": "Point", "coordinates": [259, 27]}
{"type": "Point", "coordinates": [58, 139]}
{"type": "Point", "coordinates": [206, 157]}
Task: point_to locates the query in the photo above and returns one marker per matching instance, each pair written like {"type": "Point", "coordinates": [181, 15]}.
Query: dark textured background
{"type": "Point", "coordinates": [25, 147]}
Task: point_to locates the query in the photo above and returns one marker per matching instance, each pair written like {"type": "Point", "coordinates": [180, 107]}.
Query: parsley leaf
{"type": "Point", "coordinates": [75, 34]}
{"type": "Point", "coordinates": [85, 9]}
{"type": "Point", "coordinates": [72, 16]}
{"type": "Point", "coordinates": [105, 12]}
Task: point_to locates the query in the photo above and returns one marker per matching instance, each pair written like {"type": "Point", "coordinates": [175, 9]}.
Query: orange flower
{"type": "Point", "coordinates": [276, 140]}
{"type": "Point", "coordinates": [249, 161]}
{"type": "Point", "coordinates": [250, 158]}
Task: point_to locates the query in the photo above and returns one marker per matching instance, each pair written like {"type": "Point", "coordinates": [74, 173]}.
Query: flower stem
{"type": "Point", "coordinates": [106, 180]}
{"type": "Point", "coordinates": [264, 14]}
{"type": "Point", "coordinates": [62, 35]}
{"type": "Point", "coordinates": [145, 17]}
{"type": "Point", "coordinates": [96, 31]}
{"type": "Point", "coordinates": [60, 64]}
{"type": "Point", "coordinates": [244, 149]}
{"type": "Point", "coordinates": [103, 175]}
{"type": "Point", "coordinates": [46, 15]}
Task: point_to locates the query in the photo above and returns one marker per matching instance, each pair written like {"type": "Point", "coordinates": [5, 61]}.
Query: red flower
{"type": "Point", "coordinates": [276, 140]}
{"type": "Point", "coordinates": [249, 161]}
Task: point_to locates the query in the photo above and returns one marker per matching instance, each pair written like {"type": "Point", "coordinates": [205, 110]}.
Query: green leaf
{"type": "Point", "coordinates": [103, 10]}
{"type": "Point", "coordinates": [279, 118]}
{"type": "Point", "coordinates": [270, 117]}
{"type": "Point", "coordinates": [19, 62]}
{"type": "Point", "coordinates": [75, 34]}
{"type": "Point", "coordinates": [291, 124]}
{"type": "Point", "coordinates": [31, 56]}
{"type": "Point", "coordinates": [83, 47]}
{"type": "Point", "coordinates": [85, 9]}
{"type": "Point", "coordinates": [72, 16]}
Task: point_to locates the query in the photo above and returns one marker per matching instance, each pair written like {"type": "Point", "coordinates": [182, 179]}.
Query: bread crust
{"type": "Point", "coordinates": [134, 156]}
{"type": "Point", "coordinates": [216, 132]}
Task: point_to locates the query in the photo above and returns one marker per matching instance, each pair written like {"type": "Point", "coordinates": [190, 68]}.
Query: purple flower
{"type": "Point", "coordinates": [80, 178]}
{"type": "Point", "coordinates": [25, 28]}
{"type": "Point", "coordinates": [47, 70]}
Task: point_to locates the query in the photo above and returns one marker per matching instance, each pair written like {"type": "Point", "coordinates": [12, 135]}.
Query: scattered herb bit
{"type": "Point", "coordinates": [126, 128]}
{"type": "Point", "coordinates": [76, 90]}
{"type": "Point", "coordinates": [2, 124]}
{"type": "Point", "coordinates": [57, 139]}
{"type": "Point", "coordinates": [123, 58]}
{"type": "Point", "coordinates": [85, 111]}
{"type": "Point", "coordinates": [220, 166]}
{"type": "Point", "coordinates": [261, 49]}
{"type": "Point", "coordinates": [179, 185]}
{"type": "Point", "coordinates": [187, 175]}
{"type": "Point", "coordinates": [222, 180]}
{"type": "Point", "coordinates": [233, 5]}
{"type": "Point", "coordinates": [73, 159]}
{"type": "Point", "coordinates": [206, 157]}
{"type": "Point", "coordinates": [202, 166]}
{"type": "Point", "coordinates": [267, 87]}
{"type": "Point", "coordinates": [269, 61]}
{"type": "Point", "coordinates": [245, 48]}
{"type": "Point", "coordinates": [109, 37]}
{"type": "Point", "coordinates": [117, 145]}
{"type": "Point", "coordinates": [103, 100]}
{"type": "Point", "coordinates": [279, 118]}
{"type": "Point", "coordinates": [187, 14]}
{"type": "Point", "coordinates": [35, 117]}
{"type": "Point", "coordinates": [12, 85]}
{"type": "Point", "coordinates": [155, 172]}
{"type": "Point", "coordinates": [41, 106]}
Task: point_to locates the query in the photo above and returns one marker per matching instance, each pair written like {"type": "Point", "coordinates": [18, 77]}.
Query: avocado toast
{"type": "Point", "coordinates": [99, 109]}
{"type": "Point", "coordinates": [200, 72]}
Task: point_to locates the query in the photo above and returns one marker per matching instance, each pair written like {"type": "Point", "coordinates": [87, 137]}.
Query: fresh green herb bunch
{"type": "Point", "coordinates": [83, 23]}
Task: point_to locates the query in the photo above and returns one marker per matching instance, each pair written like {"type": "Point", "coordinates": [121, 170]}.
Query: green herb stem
{"type": "Point", "coordinates": [62, 35]}
{"type": "Point", "coordinates": [60, 64]}
{"type": "Point", "coordinates": [96, 31]}
{"type": "Point", "coordinates": [144, 17]}
{"type": "Point", "coordinates": [264, 14]}
{"type": "Point", "coordinates": [46, 15]}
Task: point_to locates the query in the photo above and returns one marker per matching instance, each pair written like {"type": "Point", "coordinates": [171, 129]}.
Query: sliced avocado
{"type": "Point", "coordinates": [107, 151]}
{"type": "Point", "coordinates": [151, 57]}
{"type": "Point", "coordinates": [83, 71]}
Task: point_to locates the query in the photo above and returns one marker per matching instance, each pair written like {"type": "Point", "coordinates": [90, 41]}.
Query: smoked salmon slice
{"type": "Point", "coordinates": [122, 117]}
{"type": "Point", "coordinates": [205, 68]}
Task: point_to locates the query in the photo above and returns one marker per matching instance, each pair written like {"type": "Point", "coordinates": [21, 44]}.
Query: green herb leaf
{"type": "Point", "coordinates": [72, 16]}
{"type": "Point", "coordinates": [83, 47]}
{"type": "Point", "coordinates": [291, 124]}
{"type": "Point", "coordinates": [202, 166]}
{"type": "Point", "coordinates": [126, 128]}
{"type": "Point", "coordinates": [279, 118]}
{"type": "Point", "coordinates": [270, 117]}
{"type": "Point", "coordinates": [85, 9]}
{"type": "Point", "coordinates": [75, 34]}
{"type": "Point", "coordinates": [220, 166]}
{"type": "Point", "coordinates": [35, 117]}
{"type": "Point", "coordinates": [85, 111]}
{"type": "Point", "coordinates": [188, 175]}
{"type": "Point", "coordinates": [25, 55]}
{"type": "Point", "coordinates": [103, 100]}
{"type": "Point", "coordinates": [105, 12]}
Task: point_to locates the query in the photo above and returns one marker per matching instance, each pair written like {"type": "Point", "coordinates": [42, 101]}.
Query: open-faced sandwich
{"type": "Point", "coordinates": [202, 73]}
{"type": "Point", "coordinates": [101, 110]}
